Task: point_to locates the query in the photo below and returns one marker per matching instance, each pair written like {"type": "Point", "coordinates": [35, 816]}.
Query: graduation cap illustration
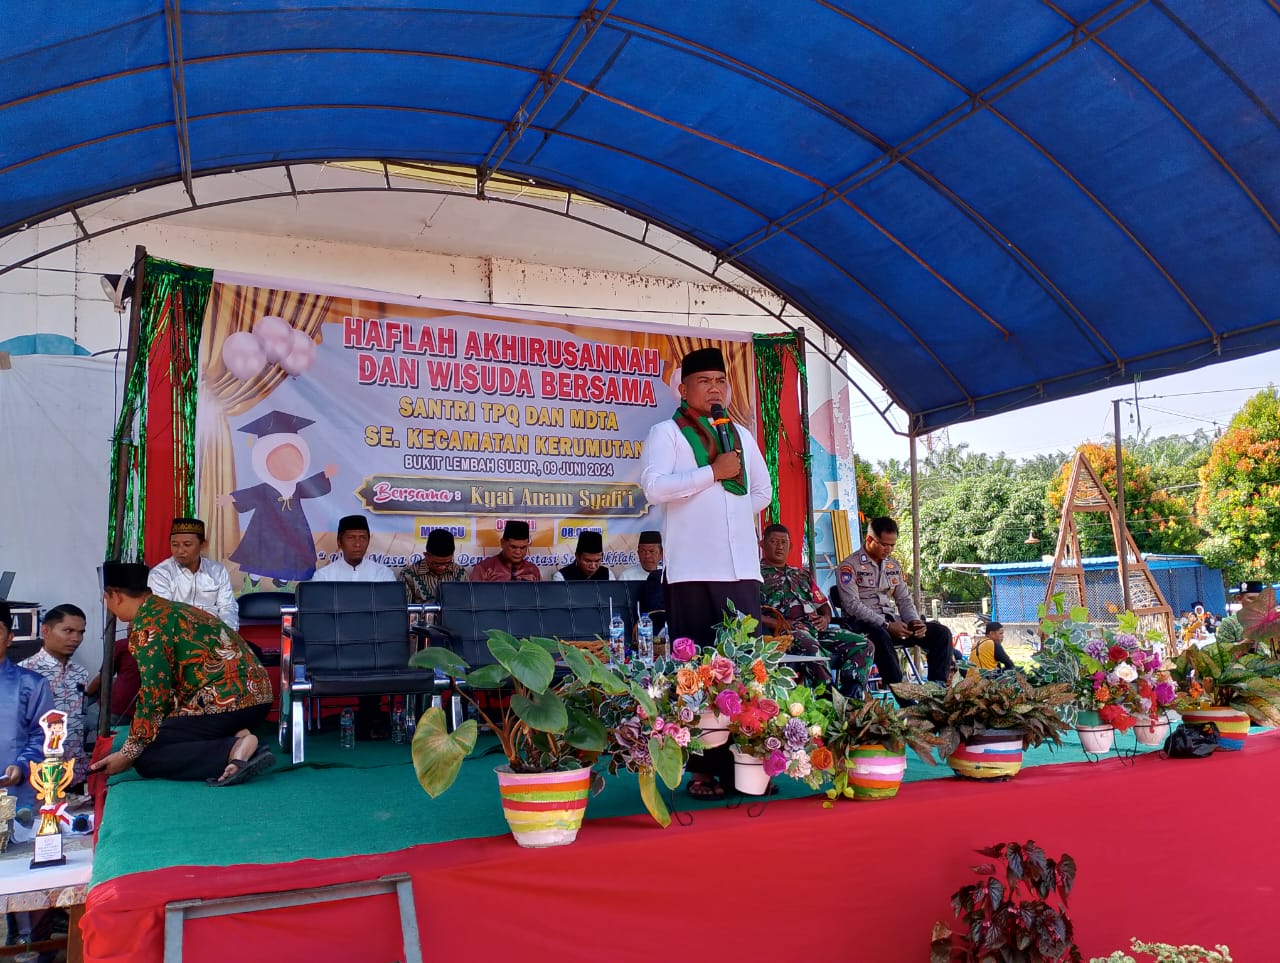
{"type": "Point", "coordinates": [277, 423]}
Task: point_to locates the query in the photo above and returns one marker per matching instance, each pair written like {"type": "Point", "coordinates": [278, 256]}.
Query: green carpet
{"type": "Point", "coordinates": [346, 802]}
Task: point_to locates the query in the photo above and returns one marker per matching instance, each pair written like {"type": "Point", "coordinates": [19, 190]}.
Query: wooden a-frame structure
{"type": "Point", "coordinates": [1085, 493]}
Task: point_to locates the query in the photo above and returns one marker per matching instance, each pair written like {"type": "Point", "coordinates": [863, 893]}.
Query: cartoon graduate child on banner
{"type": "Point", "coordinates": [278, 543]}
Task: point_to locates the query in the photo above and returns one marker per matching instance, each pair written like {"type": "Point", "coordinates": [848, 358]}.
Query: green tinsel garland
{"type": "Point", "coordinates": [770, 351]}
{"type": "Point", "coordinates": [176, 294]}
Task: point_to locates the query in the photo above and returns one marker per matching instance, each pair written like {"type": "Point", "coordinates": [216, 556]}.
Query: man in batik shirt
{"type": "Point", "coordinates": [61, 633]}
{"type": "Point", "coordinates": [422, 580]}
{"type": "Point", "coordinates": [793, 592]}
{"type": "Point", "coordinates": [202, 689]}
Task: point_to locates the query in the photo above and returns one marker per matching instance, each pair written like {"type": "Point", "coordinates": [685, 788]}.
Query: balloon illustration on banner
{"type": "Point", "coordinates": [272, 341]}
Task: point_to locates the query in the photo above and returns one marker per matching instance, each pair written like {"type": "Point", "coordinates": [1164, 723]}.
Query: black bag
{"type": "Point", "coordinates": [1192, 741]}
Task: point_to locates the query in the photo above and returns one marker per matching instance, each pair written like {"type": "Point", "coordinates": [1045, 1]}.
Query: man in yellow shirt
{"type": "Point", "coordinates": [990, 653]}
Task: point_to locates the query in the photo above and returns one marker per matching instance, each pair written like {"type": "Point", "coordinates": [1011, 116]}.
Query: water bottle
{"type": "Point", "coordinates": [347, 729]}
{"type": "Point", "coordinates": [399, 730]}
{"type": "Point", "coordinates": [644, 638]}
{"type": "Point", "coordinates": [617, 637]}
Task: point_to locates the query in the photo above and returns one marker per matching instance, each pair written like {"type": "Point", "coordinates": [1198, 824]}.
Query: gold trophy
{"type": "Point", "coordinates": [50, 779]}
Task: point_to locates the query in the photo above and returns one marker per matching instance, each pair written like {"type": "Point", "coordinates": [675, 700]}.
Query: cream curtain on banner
{"type": "Point", "coordinates": [235, 308]}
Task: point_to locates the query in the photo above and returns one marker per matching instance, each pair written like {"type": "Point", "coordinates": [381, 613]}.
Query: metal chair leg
{"type": "Point", "coordinates": [299, 729]}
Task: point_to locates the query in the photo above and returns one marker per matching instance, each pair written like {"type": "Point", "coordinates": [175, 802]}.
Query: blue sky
{"type": "Point", "coordinates": [1204, 398]}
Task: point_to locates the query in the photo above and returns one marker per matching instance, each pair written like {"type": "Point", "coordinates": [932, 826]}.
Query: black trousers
{"type": "Point", "coordinates": [694, 609]}
{"type": "Point", "coordinates": [193, 748]}
{"type": "Point", "coordinates": [936, 644]}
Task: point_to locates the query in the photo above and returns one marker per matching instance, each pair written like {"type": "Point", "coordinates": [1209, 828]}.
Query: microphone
{"type": "Point", "coordinates": [720, 421]}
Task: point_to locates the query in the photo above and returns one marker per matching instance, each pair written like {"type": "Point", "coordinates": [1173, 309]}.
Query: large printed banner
{"type": "Point", "coordinates": [421, 414]}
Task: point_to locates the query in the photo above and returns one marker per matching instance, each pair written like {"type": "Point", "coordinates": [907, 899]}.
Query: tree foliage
{"type": "Point", "coordinates": [1159, 520]}
{"type": "Point", "coordinates": [1239, 500]}
{"type": "Point", "coordinates": [875, 497]}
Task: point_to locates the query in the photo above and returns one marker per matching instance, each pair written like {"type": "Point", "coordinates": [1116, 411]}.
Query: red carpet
{"type": "Point", "coordinates": [1174, 850]}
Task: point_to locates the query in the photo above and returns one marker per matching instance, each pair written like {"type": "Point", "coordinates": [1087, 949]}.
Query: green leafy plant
{"type": "Point", "coordinates": [872, 721]}
{"type": "Point", "coordinates": [1168, 953]}
{"type": "Point", "coordinates": [1230, 675]}
{"type": "Point", "coordinates": [974, 704]}
{"type": "Point", "coordinates": [538, 730]}
{"type": "Point", "coordinates": [1016, 919]}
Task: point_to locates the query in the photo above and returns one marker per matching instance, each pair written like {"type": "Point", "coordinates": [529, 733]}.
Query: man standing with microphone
{"type": "Point", "coordinates": [712, 479]}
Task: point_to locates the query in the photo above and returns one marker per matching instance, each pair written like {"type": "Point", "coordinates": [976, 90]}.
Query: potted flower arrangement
{"type": "Point", "coordinates": [738, 688]}
{"type": "Point", "coordinates": [1232, 684]}
{"type": "Point", "coordinates": [985, 724]}
{"type": "Point", "coordinates": [650, 729]}
{"type": "Point", "coordinates": [1119, 683]}
{"type": "Point", "coordinates": [548, 742]}
{"type": "Point", "coordinates": [869, 739]}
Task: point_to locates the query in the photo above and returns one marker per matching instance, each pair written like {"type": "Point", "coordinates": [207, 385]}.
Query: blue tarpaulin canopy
{"type": "Point", "coordinates": [988, 203]}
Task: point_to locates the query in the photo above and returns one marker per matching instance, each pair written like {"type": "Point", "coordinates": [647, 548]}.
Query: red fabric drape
{"type": "Point", "coordinates": [793, 502]}
{"type": "Point", "coordinates": [160, 475]}
{"type": "Point", "coordinates": [857, 882]}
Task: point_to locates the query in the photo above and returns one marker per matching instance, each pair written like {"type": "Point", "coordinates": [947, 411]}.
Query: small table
{"type": "Point", "coordinates": [23, 889]}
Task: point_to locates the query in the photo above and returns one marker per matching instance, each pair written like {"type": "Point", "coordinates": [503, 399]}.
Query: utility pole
{"type": "Point", "coordinates": [1136, 410]}
{"type": "Point", "coordinates": [1122, 525]}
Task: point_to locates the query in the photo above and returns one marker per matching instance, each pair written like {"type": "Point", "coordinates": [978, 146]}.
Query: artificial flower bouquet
{"type": "Point", "coordinates": [1124, 681]}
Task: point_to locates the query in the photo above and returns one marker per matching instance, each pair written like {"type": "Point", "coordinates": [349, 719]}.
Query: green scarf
{"type": "Point", "coordinates": [704, 441]}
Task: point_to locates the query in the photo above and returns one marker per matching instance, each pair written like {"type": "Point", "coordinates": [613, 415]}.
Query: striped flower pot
{"type": "Point", "coordinates": [544, 808]}
{"type": "Point", "coordinates": [990, 754]}
{"type": "Point", "coordinates": [875, 772]}
{"type": "Point", "coordinates": [1233, 725]}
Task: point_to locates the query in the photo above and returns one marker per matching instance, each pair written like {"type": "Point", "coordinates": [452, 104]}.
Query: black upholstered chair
{"type": "Point", "coordinates": [572, 611]}
{"type": "Point", "coordinates": [345, 639]}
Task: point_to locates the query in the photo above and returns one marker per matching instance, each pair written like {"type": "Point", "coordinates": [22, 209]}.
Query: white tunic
{"type": "Point", "coordinates": [207, 588]}
{"type": "Point", "coordinates": [367, 571]}
{"type": "Point", "coordinates": [708, 535]}
{"type": "Point", "coordinates": [634, 573]}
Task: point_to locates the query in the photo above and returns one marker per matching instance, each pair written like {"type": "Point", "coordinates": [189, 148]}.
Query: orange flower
{"type": "Point", "coordinates": [687, 682]}
{"type": "Point", "coordinates": [1197, 690]}
{"type": "Point", "coordinates": [1102, 693]}
{"type": "Point", "coordinates": [822, 759]}
{"type": "Point", "coordinates": [704, 675]}
{"type": "Point", "coordinates": [759, 671]}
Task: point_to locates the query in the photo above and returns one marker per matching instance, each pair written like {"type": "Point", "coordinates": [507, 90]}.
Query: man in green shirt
{"type": "Point", "coordinates": [202, 689]}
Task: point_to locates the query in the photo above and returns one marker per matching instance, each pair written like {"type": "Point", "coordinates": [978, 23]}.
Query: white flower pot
{"type": "Point", "coordinates": [1096, 739]}
{"type": "Point", "coordinates": [748, 774]}
{"type": "Point", "coordinates": [714, 727]}
{"type": "Point", "coordinates": [1152, 734]}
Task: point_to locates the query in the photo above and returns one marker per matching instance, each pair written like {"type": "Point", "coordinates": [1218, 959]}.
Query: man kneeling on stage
{"type": "Point", "coordinates": [202, 689]}
{"type": "Point", "coordinates": [877, 602]}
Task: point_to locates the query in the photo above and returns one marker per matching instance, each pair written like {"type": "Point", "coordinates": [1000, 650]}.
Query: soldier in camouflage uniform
{"type": "Point", "coordinates": [794, 593]}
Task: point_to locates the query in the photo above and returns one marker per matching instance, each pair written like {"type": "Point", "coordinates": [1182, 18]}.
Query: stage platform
{"type": "Point", "coordinates": [1164, 847]}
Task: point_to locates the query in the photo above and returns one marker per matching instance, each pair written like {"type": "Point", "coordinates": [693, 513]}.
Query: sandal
{"type": "Point", "coordinates": [246, 769]}
{"type": "Point", "coordinates": [705, 789]}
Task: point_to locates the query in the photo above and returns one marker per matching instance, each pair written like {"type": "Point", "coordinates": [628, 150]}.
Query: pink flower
{"type": "Point", "coordinates": [775, 764]}
{"type": "Point", "coordinates": [768, 708]}
{"type": "Point", "coordinates": [1166, 692]}
{"type": "Point", "coordinates": [680, 735]}
{"type": "Point", "coordinates": [684, 649]}
{"type": "Point", "coordinates": [722, 670]}
{"type": "Point", "coordinates": [659, 724]}
{"type": "Point", "coordinates": [728, 703]}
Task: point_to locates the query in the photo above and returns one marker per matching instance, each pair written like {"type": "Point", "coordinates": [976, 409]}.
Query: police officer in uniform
{"type": "Point", "coordinates": [877, 602]}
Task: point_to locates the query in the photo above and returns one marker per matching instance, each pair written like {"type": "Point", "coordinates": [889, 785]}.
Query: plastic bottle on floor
{"type": "Point", "coordinates": [347, 729]}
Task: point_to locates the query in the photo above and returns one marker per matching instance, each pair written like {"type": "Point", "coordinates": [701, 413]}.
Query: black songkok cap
{"type": "Point", "coordinates": [651, 537]}
{"type": "Point", "coordinates": [440, 542]}
{"type": "Point", "coordinates": [353, 523]}
{"type": "Point", "coordinates": [704, 359]}
{"type": "Point", "coordinates": [187, 526]}
{"type": "Point", "coordinates": [590, 543]}
{"type": "Point", "coordinates": [1252, 588]}
{"type": "Point", "coordinates": [516, 529]}
{"type": "Point", "coordinates": [131, 576]}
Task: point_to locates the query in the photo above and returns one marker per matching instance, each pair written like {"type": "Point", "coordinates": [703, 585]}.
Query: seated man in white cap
{"type": "Point", "coordinates": [588, 561]}
{"type": "Point", "coordinates": [187, 576]}
{"type": "Point", "coordinates": [510, 564]}
{"type": "Point", "coordinates": [422, 579]}
{"type": "Point", "coordinates": [351, 565]}
{"type": "Point", "coordinates": [202, 689]}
